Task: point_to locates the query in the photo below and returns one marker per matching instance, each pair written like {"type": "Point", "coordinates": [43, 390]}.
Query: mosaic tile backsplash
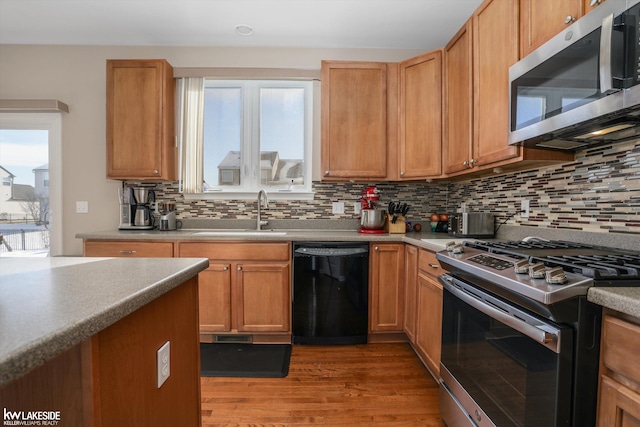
{"type": "Point", "coordinates": [598, 192]}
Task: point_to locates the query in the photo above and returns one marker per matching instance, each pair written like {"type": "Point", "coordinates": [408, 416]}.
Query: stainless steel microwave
{"type": "Point", "coordinates": [582, 87]}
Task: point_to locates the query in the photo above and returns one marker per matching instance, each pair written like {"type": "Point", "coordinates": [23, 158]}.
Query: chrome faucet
{"type": "Point", "coordinates": [262, 194]}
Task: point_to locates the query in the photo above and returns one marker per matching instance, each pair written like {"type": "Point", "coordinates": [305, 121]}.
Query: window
{"type": "Point", "coordinates": [257, 135]}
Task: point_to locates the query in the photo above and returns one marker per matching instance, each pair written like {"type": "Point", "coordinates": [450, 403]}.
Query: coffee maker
{"type": "Point", "coordinates": [135, 208]}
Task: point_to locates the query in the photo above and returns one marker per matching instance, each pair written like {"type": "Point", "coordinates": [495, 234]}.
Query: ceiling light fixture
{"type": "Point", "coordinates": [244, 30]}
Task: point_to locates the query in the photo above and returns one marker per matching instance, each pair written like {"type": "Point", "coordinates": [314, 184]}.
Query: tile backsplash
{"type": "Point", "coordinates": [598, 192]}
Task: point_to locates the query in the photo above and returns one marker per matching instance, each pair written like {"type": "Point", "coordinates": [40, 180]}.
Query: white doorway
{"type": "Point", "coordinates": [31, 192]}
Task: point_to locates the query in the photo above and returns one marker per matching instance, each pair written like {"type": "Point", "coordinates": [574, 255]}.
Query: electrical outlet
{"type": "Point", "coordinates": [524, 208]}
{"type": "Point", "coordinates": [164, 363]}
{"type": "Point", "coordinates": [82, 207]}
{"type": "Point", "coordinates": [337, 208]}
{"type": "Point", "coordinates": [357, 208]}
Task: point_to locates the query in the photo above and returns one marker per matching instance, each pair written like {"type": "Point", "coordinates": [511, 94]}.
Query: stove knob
{"type": "Point", "coordinates": [458, 249]}
{"type": "Point", "coordinates": [450, 246]}
{"type": "Point", "coordinates": [521, 266]}
{"type": "Point", "coordinates": [536, 271]}
{"type": "Point", "coordinates": [555, 276]}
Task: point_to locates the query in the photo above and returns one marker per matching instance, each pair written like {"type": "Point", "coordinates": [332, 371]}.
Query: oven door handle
{"type": "Point", "coordinates": [549, 336]}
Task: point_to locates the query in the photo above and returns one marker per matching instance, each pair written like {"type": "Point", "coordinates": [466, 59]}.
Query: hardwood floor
{"type": "Point", "coordinates": [361, 385]}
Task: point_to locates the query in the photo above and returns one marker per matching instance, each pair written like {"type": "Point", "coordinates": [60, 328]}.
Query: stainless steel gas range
{"type": "Point", "coordinates": [520, 341]}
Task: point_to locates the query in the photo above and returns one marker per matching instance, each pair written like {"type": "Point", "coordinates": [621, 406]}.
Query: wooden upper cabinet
{"type": "Point", "coordinates": [589, 5]}
{"type": "Point", "coordinates": [495, 48]}
{"type": "Point", "coordinates": [354, 120]}
{"type": "Point", "coordinates": [140, 120]}
{"type": "Point", "coordinates": [457, 103]}
{"type": "Point", "coordinates": [540, 20]}
{"type": "Point", "coordinates": [420, 145]}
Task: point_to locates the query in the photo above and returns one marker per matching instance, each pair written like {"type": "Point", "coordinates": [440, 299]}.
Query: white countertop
{"type": "Point", "coordinates": [48, 305]}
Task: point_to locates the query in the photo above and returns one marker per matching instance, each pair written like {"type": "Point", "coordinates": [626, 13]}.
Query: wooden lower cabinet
{"type": "Point", "coordinates": [386, 288]}
{"type": "Point", "coordinates": [410, 291]}
{"type": "Point", "coordinates": [619, 388]}
{"type": "Point", "coordinates": [127, 248]}
{"type": "Point", "coordinates": [423, 306]}
{"type": "Point", "coordinates": [429, 322]}
{"type": "Point", "coordinates": [246, 289]}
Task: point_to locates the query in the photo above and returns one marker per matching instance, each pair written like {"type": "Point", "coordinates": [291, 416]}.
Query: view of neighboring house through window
{"type": "Point", "coordinates": [24, 195]}
{"type": "Point", "coordinates": [257, 134]}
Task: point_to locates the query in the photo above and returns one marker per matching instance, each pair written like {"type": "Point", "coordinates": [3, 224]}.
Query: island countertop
{"type": "Point", "coordinates": [48, 305]}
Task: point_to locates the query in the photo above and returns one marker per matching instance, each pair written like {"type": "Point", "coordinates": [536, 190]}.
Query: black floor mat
{"type": "Point", "coordinates": [244, 360]}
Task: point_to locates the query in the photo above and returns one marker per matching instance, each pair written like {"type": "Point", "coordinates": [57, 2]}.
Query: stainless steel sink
{"type": "Point", "coordinates": [240, 233]}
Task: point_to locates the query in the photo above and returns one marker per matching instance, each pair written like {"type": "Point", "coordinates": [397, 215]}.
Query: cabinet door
{"type": "Point", "coordinates": [140, 120]}
{"type": "Point", "coordinates": [540, 20]}
{"type": "Point", "coordinates": [421, 116]}
{"type": "Point", "coordinates": [618, 405]}
{"type": "Point", "coordinates": [214, 298]}
{"type": "Point", "coordinates": [354, 120]}
{"type": "Point", "coordinates": [128, 248]}
{"type": "Point", "coordinates": [386, 287]}
{"type": "Point", "coordinates": [263, 297]}
{"type": "Point", "coordinates": [410, 291]}
{"type": "Point", "coordinates": [429, 322]}
{"type": "Point", "coordinates": [458, 101]}
{"type": "Point", "coordinates": [495, 40]}
{"type": "Point", "coordinates": [589, 5]}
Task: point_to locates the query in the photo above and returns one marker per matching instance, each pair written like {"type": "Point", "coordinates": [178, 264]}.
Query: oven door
{"type": "Point", "coordinates": [501, 365]}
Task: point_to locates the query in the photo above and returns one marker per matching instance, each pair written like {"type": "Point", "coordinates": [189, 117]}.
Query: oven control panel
{"type": "Point", "coordinates": [492, 262]}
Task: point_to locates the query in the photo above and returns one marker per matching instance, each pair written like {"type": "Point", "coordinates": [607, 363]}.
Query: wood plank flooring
{"type": "Point", "coordinates": [360, 385]}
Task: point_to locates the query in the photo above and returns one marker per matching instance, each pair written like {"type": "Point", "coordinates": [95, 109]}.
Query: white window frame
{"type": "Point", "coordinates": [250, 168]}
{"type": "Point", "coordinates": [52, 122]}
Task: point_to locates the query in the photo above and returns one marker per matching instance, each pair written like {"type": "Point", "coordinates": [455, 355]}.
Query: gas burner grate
{"type": "Point", "coordinates": [596, 266]}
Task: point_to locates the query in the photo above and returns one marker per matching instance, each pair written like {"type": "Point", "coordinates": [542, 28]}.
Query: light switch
{"type": "Point", "coordinates": [82, 207]}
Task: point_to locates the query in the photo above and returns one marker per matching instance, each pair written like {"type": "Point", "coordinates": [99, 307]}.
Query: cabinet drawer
{"type": "Point", "coordinates": [123, 248]}
{"type": "Point", "coordinates": [236, 251]}
{"type": "Point", "coordinates": [428, 264]}
{"type": "Point", "coordinates": [621, 346]}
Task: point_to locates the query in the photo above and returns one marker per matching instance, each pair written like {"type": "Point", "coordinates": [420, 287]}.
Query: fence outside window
{"type": "Point", "coordinates": [23, 240]}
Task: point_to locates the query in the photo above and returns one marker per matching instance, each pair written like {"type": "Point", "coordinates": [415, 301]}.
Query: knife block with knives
{"type": "Point", "coordinates": [397, 227]}
{"type": "Point", "coordinates": [395, 222]}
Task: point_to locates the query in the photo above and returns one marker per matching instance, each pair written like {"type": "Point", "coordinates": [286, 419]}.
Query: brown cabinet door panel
{"type": "Point", "coordinates": [214, 298]}
{"type": "Point", "coordinates": [421, 116]}
{"type": "Point", "coordinates": [263, 297]}
{"type": "Point", "coordinates": [429, 322]}
{"type": "Point", "coordinates": [386, 298]}
{"type": "Point", "coordinates": [495, 39]}
{"type": "Point", "coordinates": [618, 405]}
{"type": "Point", "coordinates": [458, 101]}
{"type": "Point", "coordinates": [542, 19]}
{"type": "Point", "coordinates": [354, 120]}
{"type": "Point", "coordinates": [410, 291]}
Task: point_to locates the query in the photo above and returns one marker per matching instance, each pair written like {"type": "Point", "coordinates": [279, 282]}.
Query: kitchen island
{"type": "Point", "coordinates": [79, 338]}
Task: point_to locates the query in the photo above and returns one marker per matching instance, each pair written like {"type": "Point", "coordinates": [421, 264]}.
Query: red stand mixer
{"type": "Point", "coordinates": [372, 218]}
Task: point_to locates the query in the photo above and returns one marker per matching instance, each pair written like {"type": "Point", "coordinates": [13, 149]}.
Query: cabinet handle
{"type": "Point", "coordinates": [593, 3]}
{"type": "Point", "coordinates": [155, 171]}
{"type": "Point", "coordinates": [377, 249]}
{"type": "Point", "coordinates": [433, 265]}
{"type": "Point", "coordinates": [326, 173]}
{"type": "Point", "coordinates": [225, 268]}
{"type": "Point", "coordinates": [569, 19]}
{"type": "Point", "coordinates": [239, 268]}
{"type": "Point", "coordinates": [473, 162]}
{"type": "Point", "coordinates": [127, 252]}
{"type": "Point", "coordinates": [401, 173]}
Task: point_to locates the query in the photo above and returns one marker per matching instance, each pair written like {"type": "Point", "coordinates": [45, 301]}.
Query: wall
{"type": "Point", "coordinates": [76, 75]}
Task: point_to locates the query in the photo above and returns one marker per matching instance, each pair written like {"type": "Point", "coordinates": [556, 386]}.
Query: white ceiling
{"type": "Point", "coordinates": [396, 24]}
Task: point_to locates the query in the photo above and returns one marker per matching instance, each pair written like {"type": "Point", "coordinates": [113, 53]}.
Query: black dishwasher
{"type": "Point", "coordinates": [330, 292]}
